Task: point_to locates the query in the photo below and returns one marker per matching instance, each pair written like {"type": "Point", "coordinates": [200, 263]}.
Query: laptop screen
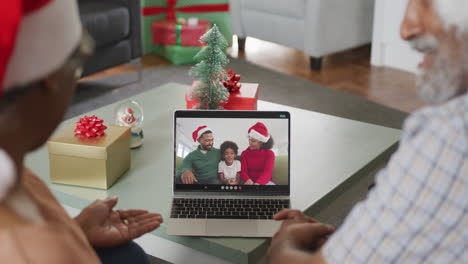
{"type": "Point", "coordinates": [232, 151]}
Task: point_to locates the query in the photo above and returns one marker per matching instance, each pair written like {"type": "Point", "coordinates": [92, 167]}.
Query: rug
{"type": "Point", "coordinates": [274, 87]}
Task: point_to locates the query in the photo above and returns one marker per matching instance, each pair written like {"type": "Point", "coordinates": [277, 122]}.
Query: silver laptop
{"type": "Point", "coordinates": [212, 185]}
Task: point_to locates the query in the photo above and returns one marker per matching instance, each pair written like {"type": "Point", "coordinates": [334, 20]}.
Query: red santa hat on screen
{"type": "Point", "coordinates": [453, 12]}
{"type": "Point", "coordinates": [259, 132]}
{"type": "Point", "coordinates": [199, 131]}
{"type": "Point", "coordinates": [36, 37]}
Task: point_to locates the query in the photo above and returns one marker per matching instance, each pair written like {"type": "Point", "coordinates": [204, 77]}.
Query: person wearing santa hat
{"type": "Point", "coordinates": [258, 161]}
{"type": "Point", "coordinates": [201, 165]}
{"type": "Point", "coordinates": [42, 51]}
{"type": "Point", "coordinates": [418, 210]}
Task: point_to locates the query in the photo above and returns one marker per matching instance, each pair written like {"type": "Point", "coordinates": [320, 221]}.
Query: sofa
{"type": "Point", "coordinates": [115, 25]}
{"type": "Point", "coordinates": [317, 27]}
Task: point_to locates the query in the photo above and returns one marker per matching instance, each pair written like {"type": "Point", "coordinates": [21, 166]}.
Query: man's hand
{"type": "Point", "coordinates": [299, 232]}
{"type": "Point", "coordinates": [289, 216]}
{"type": "Point", "coordinates": [299, 243]}
{"type": "Point", "coordinates": [105, 227]}
{"type": "Point", "coordinates": [249, 182]}
{"type": "Point", "coordinates": [188, 177]}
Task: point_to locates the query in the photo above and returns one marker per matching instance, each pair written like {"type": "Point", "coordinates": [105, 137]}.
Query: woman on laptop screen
{"type": "Point", "coordinates": [257, 161]}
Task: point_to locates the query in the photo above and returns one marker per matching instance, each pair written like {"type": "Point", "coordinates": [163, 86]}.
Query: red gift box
{"type": "Point", "coordinates": [166, 32]}
{"type": "Point", "coordinates": [244, 99]}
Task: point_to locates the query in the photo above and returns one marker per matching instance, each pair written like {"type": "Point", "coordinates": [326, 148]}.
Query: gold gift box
{"type": "Point", "coordinates": [89, 162]}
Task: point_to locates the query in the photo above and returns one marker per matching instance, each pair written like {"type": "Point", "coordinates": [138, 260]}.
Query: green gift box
{"type": "Point", "coordinates": [216, 11]}
{"type": "Point", "coordinates": [180, 54]}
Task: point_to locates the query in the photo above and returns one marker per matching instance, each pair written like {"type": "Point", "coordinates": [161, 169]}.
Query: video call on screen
{"type": "Point", "coordinates": [265, 164]}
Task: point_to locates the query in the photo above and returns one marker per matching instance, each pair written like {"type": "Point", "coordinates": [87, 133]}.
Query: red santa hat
{"type": "Point", "coordinates": [259, 132]}
{"type": "Point", "coordinates": [199, 131]}
{"type": "Point", "coordinates": [36, 38]}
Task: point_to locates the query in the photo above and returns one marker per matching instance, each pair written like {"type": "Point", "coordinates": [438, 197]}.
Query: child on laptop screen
{"type": "Point", "coordinates": [229, 168]}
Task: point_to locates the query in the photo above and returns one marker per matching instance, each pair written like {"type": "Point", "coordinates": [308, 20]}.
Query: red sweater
{"type": "Point", "coordinates": [257, 165]}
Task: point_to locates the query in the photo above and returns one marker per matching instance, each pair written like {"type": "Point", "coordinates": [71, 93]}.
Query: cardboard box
{"type": "Point", "coordinates": [89, 162]}
{"type": "Point", "coordinates": [245, 99]}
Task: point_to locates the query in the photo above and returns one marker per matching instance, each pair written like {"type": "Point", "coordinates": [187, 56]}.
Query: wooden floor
{"type": "Point", "coordinates": [348, 71]}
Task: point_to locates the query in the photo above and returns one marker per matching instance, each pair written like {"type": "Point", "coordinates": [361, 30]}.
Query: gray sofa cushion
{"type": "Point", "coordinates": [289, 8]}
{"type": "Point", "coordinates": [105, 57]}
{"type": "Point", "coordinates": [107, 22]}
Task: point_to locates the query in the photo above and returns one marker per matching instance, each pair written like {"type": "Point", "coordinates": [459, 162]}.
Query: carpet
{"type": "Point", "coordinates": [274, 87]}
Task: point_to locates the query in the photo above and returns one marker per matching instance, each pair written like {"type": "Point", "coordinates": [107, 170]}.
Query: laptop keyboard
{"type": "Point", "coordinates": [227, 208]}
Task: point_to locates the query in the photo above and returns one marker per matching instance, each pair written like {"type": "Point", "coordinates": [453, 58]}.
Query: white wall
{"type": "Point", "coordinates": [388, 49]}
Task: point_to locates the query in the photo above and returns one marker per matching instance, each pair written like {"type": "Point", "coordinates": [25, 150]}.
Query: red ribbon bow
{"type": "Point", "coordinates": [90, 126]}
{"type": "Point", "coordinates": [171, 9]}
{"type": "Point", "coordinates": [232, 83]}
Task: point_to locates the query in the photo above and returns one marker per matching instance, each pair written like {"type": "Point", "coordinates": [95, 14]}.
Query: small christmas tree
{"type": "Point", "coordinates": [210, 70]}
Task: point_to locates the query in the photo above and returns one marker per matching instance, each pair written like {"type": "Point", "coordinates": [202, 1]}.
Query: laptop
{"type": "Point", "coordinates": [230, 205]}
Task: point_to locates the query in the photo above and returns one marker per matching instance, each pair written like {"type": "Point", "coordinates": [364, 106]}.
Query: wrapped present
{"type": "Point", "coordinates": [179, 54]}
{"type": "Point", "coordinates": [216, 11]}
{"type": "Point", "coordinates": [166, 32]}
{"type": "Point", "coordinates": [243, 99]}
{"type": "Point", "coordinates": [94, 161]}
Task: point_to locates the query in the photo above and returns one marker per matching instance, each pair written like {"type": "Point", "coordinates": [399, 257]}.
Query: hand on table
{"type": "Point", "coordinates": [188, 177]}
{"type": "Point", "coordinates": [289, 216]}
{"type": "Point", "coordinates": [105, 227]}
{"type": "Point", "coordinates": [298, 232]}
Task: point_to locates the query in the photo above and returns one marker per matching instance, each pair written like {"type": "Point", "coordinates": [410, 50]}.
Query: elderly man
{"type": "Point", "coordinates": [42, 49]}
{"type": "Point", "coordinates": [418, 211]}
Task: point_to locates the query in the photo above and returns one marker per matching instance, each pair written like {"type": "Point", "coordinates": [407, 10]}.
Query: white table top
{"type": "Point", "coordinates": [325, 152]}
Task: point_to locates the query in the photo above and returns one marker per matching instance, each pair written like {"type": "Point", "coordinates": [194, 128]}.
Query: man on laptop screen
{"type": "Point", "coordinates": [201, 165]}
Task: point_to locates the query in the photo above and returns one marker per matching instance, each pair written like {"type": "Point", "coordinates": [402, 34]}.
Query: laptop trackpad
{"type": "Point", "coordinates": [235, 227]}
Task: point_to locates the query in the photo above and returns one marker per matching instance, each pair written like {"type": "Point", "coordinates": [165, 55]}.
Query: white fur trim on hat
{"type": "Point", "coordinates": [200, 132]}
{"type": "Point", "coordinates": [7, 174]}
{"type": "Point", "coordinates": [46, 37]}
{"type": "Point", "coordinates": [254, 134]}
{"type": "Point", "coordinates": [453, 13]}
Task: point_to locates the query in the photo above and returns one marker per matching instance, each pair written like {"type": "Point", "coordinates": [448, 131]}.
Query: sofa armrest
{"type": "Point", "coordinates": [136, 37]}
{"type": "Point", "coordinates": [236, 18]}
{"type": "Point", "coordinates": [336, 25]}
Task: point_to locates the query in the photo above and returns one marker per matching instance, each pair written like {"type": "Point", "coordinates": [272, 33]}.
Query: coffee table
{"type": "Point", "coordinates": [327, 154]}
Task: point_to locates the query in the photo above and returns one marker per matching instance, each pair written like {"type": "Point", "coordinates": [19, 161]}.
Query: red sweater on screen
{"type": "Point", "coordinates": [257, 165]}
